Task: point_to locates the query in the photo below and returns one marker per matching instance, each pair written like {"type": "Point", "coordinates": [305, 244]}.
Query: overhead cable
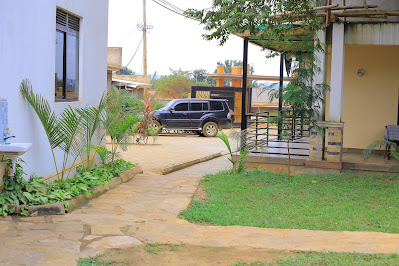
{"type": "Point", "coordinates": [135, 52]}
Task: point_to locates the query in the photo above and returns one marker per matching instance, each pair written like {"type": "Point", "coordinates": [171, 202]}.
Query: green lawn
{"type": "Point", "coordinates": [346, 202]}
{"type": "Point", "coordinates": [331, 258]}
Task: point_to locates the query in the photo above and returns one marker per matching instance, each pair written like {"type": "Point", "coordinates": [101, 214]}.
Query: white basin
{"type": "Point", "coordinates": [15, 148]}
{"type": "Point", "coordinates": [12, 151]}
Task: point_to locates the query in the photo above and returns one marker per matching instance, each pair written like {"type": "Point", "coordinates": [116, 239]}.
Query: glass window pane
{"type": "Point", "coordinates": [196, 106]}
{"type": "Point", "coordinates": [216, 106]}
{"type": "Point", "coordinates": [59, 64]}
{"type": "Point", "coordinates": [205, 106]}
{"type": "Point", "coordinates": [181, 107]}
{"type": "Point", "coordinates": [72, 67]}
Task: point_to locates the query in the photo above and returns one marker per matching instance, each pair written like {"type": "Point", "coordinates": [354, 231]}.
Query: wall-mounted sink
{"type": "Point", "coordinates": [15, 148]}
{"type": "Point", "coordinates": [12, 151]}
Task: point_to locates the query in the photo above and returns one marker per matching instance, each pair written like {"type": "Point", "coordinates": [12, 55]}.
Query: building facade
{"type": "Point", "coordinates": [61, 47]}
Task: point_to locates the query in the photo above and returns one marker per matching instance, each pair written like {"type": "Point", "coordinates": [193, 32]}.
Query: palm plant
{"type": "Point", "coordinates": [238, 166]}
{"type": "Point", "coordinates": [91, 121]}
{"type": "Point", "coordinates": [72, 131]}
{"type": "Point", "coordinates": [394, 149]}
{"type": "Point", "coordinates": [46, 115]}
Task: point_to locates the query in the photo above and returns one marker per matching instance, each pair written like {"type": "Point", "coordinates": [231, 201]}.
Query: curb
{"type": "Point", "coordinates": [58, 208]}
{"type": "Point", "coordinates": [179, 166]}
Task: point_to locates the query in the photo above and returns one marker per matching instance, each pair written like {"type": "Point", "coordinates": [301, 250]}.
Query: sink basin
{"type": "Point", "coordinates": [15, 148]}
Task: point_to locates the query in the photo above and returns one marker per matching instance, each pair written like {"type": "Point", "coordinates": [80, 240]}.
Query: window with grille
{"type": "Point", "coordinates": [67, 57]}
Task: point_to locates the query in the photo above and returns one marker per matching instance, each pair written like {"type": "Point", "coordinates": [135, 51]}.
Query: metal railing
{"type": "Point", "coordinates": [270, 134]}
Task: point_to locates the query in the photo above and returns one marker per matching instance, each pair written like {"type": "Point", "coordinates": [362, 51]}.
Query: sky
{"type": "Point", "coordinates": [175, 42]}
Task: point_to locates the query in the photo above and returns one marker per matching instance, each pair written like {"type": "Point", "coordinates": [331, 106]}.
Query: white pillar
{"type": "Point", "coordinates": [337, 72]}
{"type": "Point", "coordinates": [320, 62]}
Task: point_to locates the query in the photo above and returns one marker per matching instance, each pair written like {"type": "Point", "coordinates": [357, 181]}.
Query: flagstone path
{"type": "Point", "coordinates": [146, 209]}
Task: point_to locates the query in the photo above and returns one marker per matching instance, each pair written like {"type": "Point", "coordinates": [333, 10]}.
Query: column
{"type": "Point", "coordinates": [220, 81]}
{"type": "Point", "coordinates": [337, 72]}
{"type": "Point", "coordinates": [319, 76]}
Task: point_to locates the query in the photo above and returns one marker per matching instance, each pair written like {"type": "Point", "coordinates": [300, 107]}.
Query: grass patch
{"type": "Point", "coordinates": [156, 248]}
{"type": "Point", "coordinates": [342, 202]}
{"type": "Point", "coordinates": [330, 258]}
{"type": "Point", "coordinates": [96, 261]}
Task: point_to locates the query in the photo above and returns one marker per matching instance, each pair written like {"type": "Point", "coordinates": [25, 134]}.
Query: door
{"type": "Point", "coordinates": [197, 111]}
{"type": "Point", "coordinates": [178, 116]}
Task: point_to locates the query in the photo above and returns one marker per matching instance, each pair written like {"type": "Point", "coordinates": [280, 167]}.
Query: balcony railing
{"type": "Point", "coordinates": [267, 134]}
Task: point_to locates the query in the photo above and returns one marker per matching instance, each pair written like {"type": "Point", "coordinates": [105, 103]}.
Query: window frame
{"type": "Point", "coordinates": [176, 104]}
{"type": "Point", "coordinates": [67, 31]}
{"type": "Point", "coordinates": [202, 106]}
{"type": "Point", "coordinates": [214, 110]}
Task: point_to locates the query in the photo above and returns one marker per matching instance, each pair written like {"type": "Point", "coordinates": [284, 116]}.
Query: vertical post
{"type": "Point", "coordinates": [337, 72]}
{"type": "Point", "coordinates": [144, 38]}
{"type": "Point", "coordinates": [244, 86]}
{"type": "Point", "coordinates": [280, 95]}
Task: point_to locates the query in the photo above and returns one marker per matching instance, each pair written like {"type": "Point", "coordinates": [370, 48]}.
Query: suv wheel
{"type": "Point", "coordinates": [156, 126]}
{"type": "Point", "coordinates": [210, 129]}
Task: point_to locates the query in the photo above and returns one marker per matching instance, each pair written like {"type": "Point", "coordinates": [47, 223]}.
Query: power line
{"type": "Point", "coordinates": [126, 37]}
{"type": "Point", "coordinates": [135, 52]}
{"type": "Point", "coordinates": [172, 8]}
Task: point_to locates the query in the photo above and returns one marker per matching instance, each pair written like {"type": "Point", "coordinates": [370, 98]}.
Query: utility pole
{"type": "Point", "coordinates": [144, 27]}
{"type": "Point", "coordinates": [145, 37]}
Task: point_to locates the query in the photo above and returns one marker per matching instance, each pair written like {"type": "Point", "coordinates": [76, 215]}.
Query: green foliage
{"type": "Point", "coordinates": [237, 165]}
{"type": "Point", "coordinates": [390, 146]}
{"type": "Point", "coordinates": [200, 80]}
{"type": "Point", "coordinates": [341, 202]}
{"type": "Point", "coordinates": [18, 191]}
{"type": "Point", "coordinates": [175, 86]}
{"type": "Point", "coordinates": [329, 258]}
{"type": "Point", "coordinates": [126, 71]}
{"type": "Point", "coordinates": [72, 131]}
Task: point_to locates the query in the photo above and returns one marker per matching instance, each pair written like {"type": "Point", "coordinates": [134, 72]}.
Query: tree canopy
{"type": "Point", "coordinates": [175, 86]}
{"type": "Point", "coordinates": [290, 26]}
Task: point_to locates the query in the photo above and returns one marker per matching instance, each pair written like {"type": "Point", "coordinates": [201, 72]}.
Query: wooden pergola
{"type": "Point", "coordinates": [329, 12]}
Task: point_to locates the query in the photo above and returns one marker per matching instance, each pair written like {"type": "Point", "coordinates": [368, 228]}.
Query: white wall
{"type": "Point", "coordinates": [27, 50]}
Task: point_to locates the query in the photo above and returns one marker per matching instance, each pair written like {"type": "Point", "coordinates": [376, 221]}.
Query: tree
{"type": "Point", "coordinates": [199, 78]}
{"type": "Point", "coordinates": [175, 86]}
{"type": "Point", "coordinates": [278, 24]}
{"type": "Point", "coordinates": [126, 71]}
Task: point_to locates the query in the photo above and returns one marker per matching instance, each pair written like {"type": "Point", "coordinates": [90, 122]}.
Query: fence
{"type": "Point", "coordinates": [267, 134]}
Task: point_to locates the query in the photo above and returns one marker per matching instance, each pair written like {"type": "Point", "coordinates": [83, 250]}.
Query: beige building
{"type": "Point", "coordinates": [114, 63]}
{"type": "Point", "coordinates": [360, 66]}
{"type": "Point", "coordinates": [137, 85]}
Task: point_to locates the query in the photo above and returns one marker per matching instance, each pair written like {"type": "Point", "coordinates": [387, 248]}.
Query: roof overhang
{"type": "Point", "coordinates": [292, 41]}
{"type": "Point", "coordinates": [130, 84]}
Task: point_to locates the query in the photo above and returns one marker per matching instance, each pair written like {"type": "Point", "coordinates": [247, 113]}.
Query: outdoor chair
{"type": "Point", "coordinates": [392, 135]}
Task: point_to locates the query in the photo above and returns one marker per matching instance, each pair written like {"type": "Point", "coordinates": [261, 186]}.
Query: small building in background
{"type": "Point", "coordinates": [137, 85]}
{"type": "Point", "coordinates": [114, 63]}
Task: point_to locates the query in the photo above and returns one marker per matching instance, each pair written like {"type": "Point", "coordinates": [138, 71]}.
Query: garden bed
{"type": "Point", "coordinates": [50, 199]}
{"type": "Point", "coordinates": [342, 202]}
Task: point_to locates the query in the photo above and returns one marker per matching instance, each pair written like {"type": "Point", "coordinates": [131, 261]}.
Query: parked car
{"type": "Point", "coordinates": [204, 116]}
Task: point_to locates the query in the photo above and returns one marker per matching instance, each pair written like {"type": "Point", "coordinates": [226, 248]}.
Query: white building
{"type": "Point", "coordinates": [61, 47]}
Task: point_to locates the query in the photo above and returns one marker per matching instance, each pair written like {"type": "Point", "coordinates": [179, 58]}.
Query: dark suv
{"type": "Point", "coordinates": [204, 116]}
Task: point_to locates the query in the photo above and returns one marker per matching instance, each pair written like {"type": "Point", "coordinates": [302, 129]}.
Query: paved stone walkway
{"type": "Point", "coordinates": [145, 210]}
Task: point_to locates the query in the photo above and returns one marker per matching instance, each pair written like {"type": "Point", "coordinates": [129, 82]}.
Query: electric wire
{"type": "Point", "coordinates": [135, 52]}
{"type": "Point", "coordinates": [172, 8]}
{"type": "Point", "coordinates": [126, 36]}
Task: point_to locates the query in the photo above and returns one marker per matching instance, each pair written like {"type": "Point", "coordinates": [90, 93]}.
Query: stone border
{"type": "Point", "coordinates": [78, 201]}
{"type": "Point", "coordinates": [179, 166]}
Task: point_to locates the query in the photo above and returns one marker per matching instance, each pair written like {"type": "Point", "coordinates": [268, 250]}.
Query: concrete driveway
{"type": "Point", "coordinates": [171, 149]}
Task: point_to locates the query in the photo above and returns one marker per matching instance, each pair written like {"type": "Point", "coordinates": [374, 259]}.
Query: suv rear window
{"type": "Point", "coordinates": [216, 106]}
{"type": "Point", "coordinates": [199, 106]}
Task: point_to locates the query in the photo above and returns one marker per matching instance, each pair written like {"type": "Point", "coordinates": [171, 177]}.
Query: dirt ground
{"type": "Point", "coordinates": [166, 254]}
